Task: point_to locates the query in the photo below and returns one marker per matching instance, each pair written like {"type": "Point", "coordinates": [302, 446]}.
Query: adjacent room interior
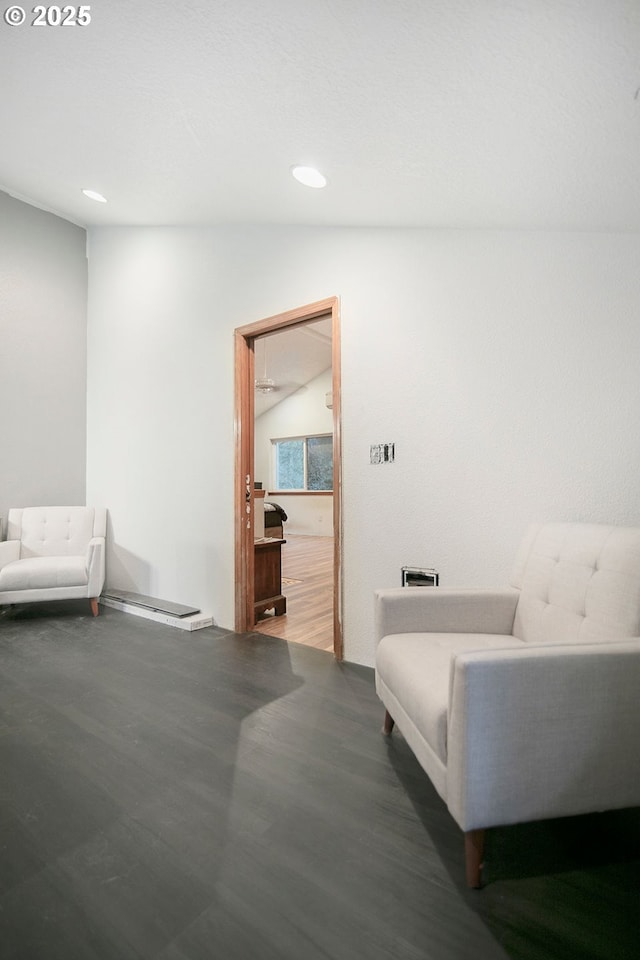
{"type": "Point", "coordinates": [293, 467]}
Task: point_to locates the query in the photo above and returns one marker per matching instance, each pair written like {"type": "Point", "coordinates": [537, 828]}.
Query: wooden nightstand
{"type": "Point", "coordinates": [268, 577]}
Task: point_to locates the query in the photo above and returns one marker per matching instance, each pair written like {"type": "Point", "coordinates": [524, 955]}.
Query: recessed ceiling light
{"type": "Point", "coordinates": [94, 195]}
{"type": "Point", "coordinates": [309, 176]}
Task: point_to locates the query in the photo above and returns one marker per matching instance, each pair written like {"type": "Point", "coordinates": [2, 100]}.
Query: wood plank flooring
{"type": "Point", "coordinates": [308, 562]}
{"type": "Point", "coordinates": [167, 795]}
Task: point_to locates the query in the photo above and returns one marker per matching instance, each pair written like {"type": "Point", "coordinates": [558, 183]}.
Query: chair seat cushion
{"type": "Point", "coordinates": [415, 667]}
{"type": "Point", "coordinates": [35, 573]}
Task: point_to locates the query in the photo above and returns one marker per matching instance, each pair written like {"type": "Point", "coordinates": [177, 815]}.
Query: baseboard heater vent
{"type": "Point", "coordinates": [151, 603]}
{"type": "Point", "coordinates": [163, 611]}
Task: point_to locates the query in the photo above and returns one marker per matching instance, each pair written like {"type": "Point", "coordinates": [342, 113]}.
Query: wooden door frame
{"type": "Point", "coordinates": [244, 457]}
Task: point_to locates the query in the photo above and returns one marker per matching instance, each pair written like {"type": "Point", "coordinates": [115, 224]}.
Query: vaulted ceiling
{"type": "Point", "coordinates": [292, 358]}
{"type": "Point", "coordinates": [443, 113]}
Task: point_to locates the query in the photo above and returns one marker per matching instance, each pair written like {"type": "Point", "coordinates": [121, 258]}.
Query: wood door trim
{"type": "Point", "coordinates": [336, 386]}
{"type": "Point", "coordinates": [244, 338]}
{"type": "Point", "coordinates": [243, 420]}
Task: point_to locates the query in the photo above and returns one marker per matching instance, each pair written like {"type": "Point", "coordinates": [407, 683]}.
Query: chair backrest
{"type": "Point", "coordinates": [55, 531]}
{"type": "Point", "coordinates": [578, 582]}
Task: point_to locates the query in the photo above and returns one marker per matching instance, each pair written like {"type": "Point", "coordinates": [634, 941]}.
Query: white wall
{"type": "Point", "coordinates": [43, 307]}
{"type": "Point", "coordinates": [503, 365]}
{"type": "Point", "coordinates": [302, 413]}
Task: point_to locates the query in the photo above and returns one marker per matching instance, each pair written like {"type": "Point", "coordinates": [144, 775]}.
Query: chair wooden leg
{"type": "Point", "coordinates": [388, 724]}
{"type": "Point", "coordinates": [94, 606]}
{"type": "Point", "coordinates": [473, 854]}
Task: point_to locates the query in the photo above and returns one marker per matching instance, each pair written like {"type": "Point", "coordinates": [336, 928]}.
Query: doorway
{"type": "Point", "coordinates": [246, 372]}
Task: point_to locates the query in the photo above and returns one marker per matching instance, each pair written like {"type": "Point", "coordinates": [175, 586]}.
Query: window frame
{"type": "Point", "coordinates": [299, 491]}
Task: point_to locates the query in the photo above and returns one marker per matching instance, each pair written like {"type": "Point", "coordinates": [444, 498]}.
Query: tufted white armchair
{"type": "Point", "coordinates": [524, 703]}
{"type": "Point", "coordinates": [53, 553]}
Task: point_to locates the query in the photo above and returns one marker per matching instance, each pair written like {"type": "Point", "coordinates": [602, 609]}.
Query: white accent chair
{"type": "Point", "coordinates": [522, 704]}
{"type": "Point", "coordinates": [53, 553]}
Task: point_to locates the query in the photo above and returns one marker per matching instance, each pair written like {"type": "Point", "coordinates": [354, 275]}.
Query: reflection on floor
{"type": "Point", "coordinates": [307, 583]}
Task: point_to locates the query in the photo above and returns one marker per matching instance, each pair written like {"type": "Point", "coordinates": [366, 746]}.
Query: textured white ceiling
{"type": "Point", "coordinates": [492, 113]}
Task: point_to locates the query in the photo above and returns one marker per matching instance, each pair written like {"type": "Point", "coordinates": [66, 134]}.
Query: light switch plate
{"type": "Point", "coordinates": [382, 452]}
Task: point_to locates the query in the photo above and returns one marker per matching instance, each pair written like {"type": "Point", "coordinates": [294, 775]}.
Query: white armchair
{"type": "Point", "coordinates": [522, 704]}
{"type": "Point", "coordinates": [53, 553]}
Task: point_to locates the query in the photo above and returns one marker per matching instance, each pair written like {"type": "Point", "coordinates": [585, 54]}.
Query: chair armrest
{"type": "Point", "coordinates": [9, 551]}
{"type": "Point", "coordinates": [95, 566]}
{"type": "Point", "coordinates": [443, 610]}
{"type": "Point", "coordinates": [543, 731]}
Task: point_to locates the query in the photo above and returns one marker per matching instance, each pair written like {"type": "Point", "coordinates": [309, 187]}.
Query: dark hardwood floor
{"type": "Point", "coordinates": [195, 796]}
